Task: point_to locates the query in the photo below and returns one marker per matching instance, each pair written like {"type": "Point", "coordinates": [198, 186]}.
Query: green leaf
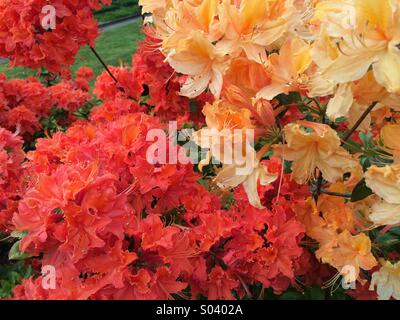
{"type": "Point", "coordinates": [16, 254]}
{"type": "Point", "coordinates": [360, 192]}
{"type": "Point", "coordinates": [316, 293]}
{"type": "Point", "coordinates": [19, 234]}
{"type": "Point", "coordinates": [292, 295]}
{"type": "Point", "coordinates": [366, 139]}
{"type": "Point", "coordinates": [11, 275]}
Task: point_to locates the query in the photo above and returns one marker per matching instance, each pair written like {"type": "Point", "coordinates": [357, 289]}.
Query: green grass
{"type": "Point", "coordinates": [115, 47]}
{"type": "Point", "coordinates": [118, 9]}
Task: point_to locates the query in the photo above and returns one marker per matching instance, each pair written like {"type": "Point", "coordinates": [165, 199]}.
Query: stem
{"type": "Point", "coordinates": [344, 140]}
{"type": "Point", "coordinates": [319, 186]}
{"type": "Point", "coordinates": [335, 194]}
{"type": "Point", "coordinates": [110, 73]}
{"type": "Point", "coordinates": [360, 121]}
{"type": "Point", "coordinates": [320, 176]}
{"type": "Point", "coordinates": [245, 287]}
{"type": "Point", "coordinates": [103, 63]}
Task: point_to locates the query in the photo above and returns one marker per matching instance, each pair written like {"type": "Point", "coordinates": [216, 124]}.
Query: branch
{"type": "Point", "coordinates": [103, 63]}
{"type": "Point", "coordinates": [359, 121]}
{"type": "Point", "coordinates": [336, 194]}
{"type": "Point", "coordinates": [110, 73]}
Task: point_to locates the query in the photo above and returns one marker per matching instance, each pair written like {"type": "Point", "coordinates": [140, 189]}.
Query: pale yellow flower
{"type": "Point", "coordinates": [198, 58]}
{"type": "Point", "coordinates": [352, 99]}
{"type": "Point", "coordinates": [385, 182]}
{"type": "Point", "coordinates": [231, 176]}
{"type": "Point", "coordinates": [387, 281]}
{"type": "Point", "coordinates": [384, 213]}
{"type": "Point", "coordinates": [340, 104]}
{"type": "Point", "coordinates": [368, 36]}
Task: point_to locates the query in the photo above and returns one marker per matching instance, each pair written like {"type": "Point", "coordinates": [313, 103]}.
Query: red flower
{"type": "Point", "coordinates": [220, 285]}
{"type": "Point", "coordinates": [26, 43]}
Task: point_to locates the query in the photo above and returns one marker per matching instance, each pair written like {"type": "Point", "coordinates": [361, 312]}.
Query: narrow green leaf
{"type": "Point", "coordinates": [16, 254]}
{"type": "Point", "coordinates": [19, 234]}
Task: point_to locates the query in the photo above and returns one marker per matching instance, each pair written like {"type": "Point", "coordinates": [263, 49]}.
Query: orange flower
{"type": "Point", "coordinates": [390, 136]}
{"type": "Point", "coordinates": [288, 69]}
{"type": "Point", "coordinates": [352, 251]}
{"type": "Point", "coordinates": [228, 137]}
{"type": "Point", "coordinates": [251, 25]}
{"type": "Point", "coordinates": [337, 213]}
{"type": "Point", "coordinates": [248, 76]}
{"type": "Point", "coordinates": [226, 133]}
{"type": "Point", "coordinates": [149, 6]}
{"type": "Point", "coordinates": [310, 146]}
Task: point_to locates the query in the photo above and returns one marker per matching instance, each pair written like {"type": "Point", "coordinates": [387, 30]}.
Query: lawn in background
{"type": "Point", "coordinates": [118, 9]}
{"type": "Point", "coordinates": [115, 47]}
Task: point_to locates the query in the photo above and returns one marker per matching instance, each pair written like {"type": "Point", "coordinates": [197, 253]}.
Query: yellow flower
{"type": "Point", "coordinates": [252, 25]}
{"type": "Point", "coordinates": [310, 146]}
{"type": "Point", "coordinates": [387, 281]}
{"type": "Point", "coordinates": [370, 37]}
{"type": "Point", "coordinates": [287, 69]}
{"type": "Point", "coordinates": [385, 182]}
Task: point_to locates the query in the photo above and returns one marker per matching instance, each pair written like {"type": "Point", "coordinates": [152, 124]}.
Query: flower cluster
{"type": "Point", "coordinates": [27, 43]}
{"type": "Point", "coordinates": [319, 83]}
{"type": "Point", "coordinates": [311, 199]}
{"type": "Point", "coordinates": [25, 103]}
{"type": "Point", "coordinates": [154, 82]}
{"type": "Point", "coordinates": [116, 227]}
{"type": "Point", "coordinates": [12, 157]}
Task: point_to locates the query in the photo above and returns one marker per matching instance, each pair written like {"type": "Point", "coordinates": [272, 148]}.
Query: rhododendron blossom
{"type": "Point", "coordinates": [28, 44]}
{"type": "Point", "coordinates": [250, 150]}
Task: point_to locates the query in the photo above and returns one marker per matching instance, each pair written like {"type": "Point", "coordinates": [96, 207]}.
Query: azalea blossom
{"type": "Point", "coordinates": [205, 65]}
{"type": "Point", "coordinates": [389, 134]}
{"type": "Point", "coordinates": [384, 214]}
{"type": "Point", "coordinates": [310, 146]}
{"type": "Point", "coordinates": [387, 281]}
{"type": "Point", "coordinates": [288, 69]}
{"type": "Point", "coordinates": [367, 35]}
{"type": "Point", "coordinates": [385, 182]}
{"type": "Point", "coordinates": [294, 106]}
